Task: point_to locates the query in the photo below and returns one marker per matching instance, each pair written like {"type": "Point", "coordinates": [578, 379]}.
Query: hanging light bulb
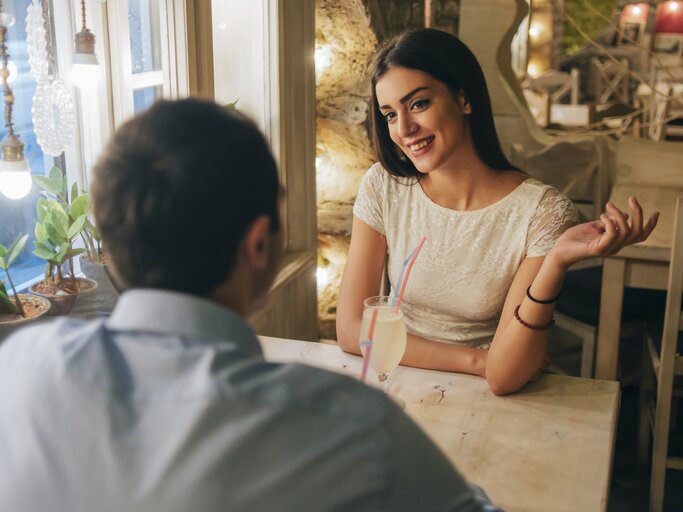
{"type": "Point", "coordinates": [85, 70]}
{"type": "Point", "coordinates": [15, 174]}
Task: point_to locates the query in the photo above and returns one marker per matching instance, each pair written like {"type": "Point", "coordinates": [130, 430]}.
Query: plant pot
{"type": "Point", "coordinates": [10, 323]}
{"type": "Point", "coordinates": [62, 301]}
{"type": "Point", "coordinates": [101, 302]}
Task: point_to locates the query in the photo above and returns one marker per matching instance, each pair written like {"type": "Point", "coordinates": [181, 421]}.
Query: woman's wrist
{"type": "Point", "coordinates": [546, 286]}
{"type": "Point", "coordinates": [480, 358]}
{"type": "Point", "coordinates": [556, 260]}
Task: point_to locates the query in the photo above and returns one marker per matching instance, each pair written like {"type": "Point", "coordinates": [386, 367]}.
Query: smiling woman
{"type": "Point", "coordinates": [482, 292]}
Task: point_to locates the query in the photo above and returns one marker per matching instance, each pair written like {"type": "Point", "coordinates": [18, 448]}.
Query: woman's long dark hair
{"type": "Point", "coordinates": [447, 59]}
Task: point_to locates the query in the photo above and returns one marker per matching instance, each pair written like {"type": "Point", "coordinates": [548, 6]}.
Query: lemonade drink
{"type": "Point", "coordinates": [389, 339]}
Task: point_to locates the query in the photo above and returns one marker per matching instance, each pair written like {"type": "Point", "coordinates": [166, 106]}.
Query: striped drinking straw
{"type": "Point", "coordinates": [403, 279]}
{"type": "Point", "coordinates": [368, 343]}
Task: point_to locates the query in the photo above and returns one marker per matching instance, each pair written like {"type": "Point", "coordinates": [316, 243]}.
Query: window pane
{"type": "Point", "coordinates": [18, 216]}
{"type": "Point", "coordinates": [143, 98]}
{"type": "Point", "coordinates": [145, 39]}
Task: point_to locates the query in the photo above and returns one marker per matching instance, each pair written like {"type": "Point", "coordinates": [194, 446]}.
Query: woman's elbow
{"type": "Point", "coordinates": [347, 342]}
{"type": "Point", "coordinates": [501, 384]}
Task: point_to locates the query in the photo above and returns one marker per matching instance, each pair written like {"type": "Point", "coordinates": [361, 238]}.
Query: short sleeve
{"type": "Point", "coordinates": [553, 216]}
{"type": "Point", "coordinates": [369, 201]}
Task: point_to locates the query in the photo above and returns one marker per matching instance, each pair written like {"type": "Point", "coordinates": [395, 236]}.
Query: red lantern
{"type": "Point", "coordinates": [668, 31]}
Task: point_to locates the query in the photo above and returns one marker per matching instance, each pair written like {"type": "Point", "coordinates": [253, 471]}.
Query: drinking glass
{"type": "Point", "coordinates": [389, 338]}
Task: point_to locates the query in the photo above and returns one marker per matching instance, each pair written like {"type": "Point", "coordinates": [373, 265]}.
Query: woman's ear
{"type": "Point", "coordinates": [465, 103]}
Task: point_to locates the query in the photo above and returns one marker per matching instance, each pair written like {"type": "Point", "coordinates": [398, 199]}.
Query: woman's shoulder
{"type": "Point", "coordinates": [378, 177]}
{"type": "Point", "coordinates": [541, 197]}
{"type": "Point", "coordinates": [541, 190]}
{"type": "Point", "coordinates": [548, 200]}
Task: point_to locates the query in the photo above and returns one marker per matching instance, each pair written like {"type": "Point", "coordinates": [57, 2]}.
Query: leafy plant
{"type": "Point", "coordinates": [61, 222]}
{"type": "Point", "coordinates": [587, 20]}
{"type": "Point", "coordinates": [55, 185]}
{"type": "Point", "coordinates": [7, 257]}
{"type": "Point", "coordinates": [91, 235]}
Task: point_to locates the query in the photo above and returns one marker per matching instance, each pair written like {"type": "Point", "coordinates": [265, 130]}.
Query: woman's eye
{"type": "Point", "coordinates": [419, 104]}
{"type": "Point", "coordinates": [389, 116]}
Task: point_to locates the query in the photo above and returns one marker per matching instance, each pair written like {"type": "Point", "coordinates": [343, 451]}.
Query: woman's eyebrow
{"type": "Point", "coordinates": [407, 96]}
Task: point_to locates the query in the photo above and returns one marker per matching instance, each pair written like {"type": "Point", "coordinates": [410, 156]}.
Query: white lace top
{"type": "Point", "coordinates": [459, 282]}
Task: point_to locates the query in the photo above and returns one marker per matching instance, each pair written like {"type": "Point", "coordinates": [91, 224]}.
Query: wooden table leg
{"type": "Point", "coordinates": [611, 301]}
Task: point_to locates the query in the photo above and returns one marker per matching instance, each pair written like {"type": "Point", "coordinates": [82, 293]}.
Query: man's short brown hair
{"type": "Point", "coordinates": [175, 191]}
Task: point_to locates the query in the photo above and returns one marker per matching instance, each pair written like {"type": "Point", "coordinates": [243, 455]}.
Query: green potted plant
{"type": "Point", "coordinates": [61, 222]}
{"type": "Point", "coordinates": [94, 265]}
{"type": "Point", "coordinates": [19, 308]}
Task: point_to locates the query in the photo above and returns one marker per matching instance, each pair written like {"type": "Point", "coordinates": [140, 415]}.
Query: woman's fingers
{"type": "Point", "coordinates": [614, 231]}
{"type": "Point", "coordinates": [610, 236]}
{"type": "Point", "coordinates": [624, 230]}
{"type": "Point", "coordinates": [637, 219]}
{"type": "Point", "coordinates": [649, 227]}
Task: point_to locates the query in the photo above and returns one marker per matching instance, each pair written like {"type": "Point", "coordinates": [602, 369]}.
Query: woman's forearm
{"type": "Point", "coordinates": [517, 351]}
{"type": "Point", "coordinates": [435, 355]}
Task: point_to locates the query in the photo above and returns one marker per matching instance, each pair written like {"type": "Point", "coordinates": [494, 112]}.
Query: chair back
{"type": "Point", "coordinates": [673, 317]}
{"type": "Point", "coordinates": [573, 167]}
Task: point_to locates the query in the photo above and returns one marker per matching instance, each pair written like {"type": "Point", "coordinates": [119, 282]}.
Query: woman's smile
{"type": "Point", "coordinates": [421, 146]}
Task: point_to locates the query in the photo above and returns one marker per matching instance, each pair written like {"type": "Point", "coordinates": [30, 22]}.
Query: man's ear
{"type": "Point", "coordinates": [256, 243]}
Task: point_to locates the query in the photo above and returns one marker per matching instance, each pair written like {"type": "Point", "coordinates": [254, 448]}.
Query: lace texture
{"type": "Point", "coordinates": [458, 284]}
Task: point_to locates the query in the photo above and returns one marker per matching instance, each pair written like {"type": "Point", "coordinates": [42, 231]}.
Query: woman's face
{"type": "Point", "coordinates": [425, 121]}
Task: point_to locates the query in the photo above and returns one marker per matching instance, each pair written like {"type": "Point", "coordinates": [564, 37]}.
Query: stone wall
{"type": "Point", "coordinates": [345, 44]}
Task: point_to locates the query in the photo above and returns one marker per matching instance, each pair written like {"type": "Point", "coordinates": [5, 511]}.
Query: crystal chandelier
{"type": "Point", "coordinates": [54, 115]}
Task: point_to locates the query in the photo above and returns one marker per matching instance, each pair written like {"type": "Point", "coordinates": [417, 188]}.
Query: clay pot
{"type": "Point", "coordinates": [63, 302]}
{"type": "Point", "coordinates": [10, 323]}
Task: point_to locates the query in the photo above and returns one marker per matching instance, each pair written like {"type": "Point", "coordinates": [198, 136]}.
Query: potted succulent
{"type": "Point", "coordinates": [19, 308]}
{"type": "Point", "coordinates": [61, 222]}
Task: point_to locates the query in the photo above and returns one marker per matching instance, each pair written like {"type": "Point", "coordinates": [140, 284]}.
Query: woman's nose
{"type": "Point", "coordinates": [406, 126]}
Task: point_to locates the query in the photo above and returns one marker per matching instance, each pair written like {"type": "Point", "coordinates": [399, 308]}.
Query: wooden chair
{"type": "Point", "coordinates": [660, 369]}
{"type": "Point", "coordinates": [573, 167]}
{"type": "Point", "coordinates": [578, 311]}
{"type": "Point", "coordinates": [610, 80]}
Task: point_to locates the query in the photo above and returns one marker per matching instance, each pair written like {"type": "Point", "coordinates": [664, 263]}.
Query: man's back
{"type": "Point", "coordinates": [170, 406]}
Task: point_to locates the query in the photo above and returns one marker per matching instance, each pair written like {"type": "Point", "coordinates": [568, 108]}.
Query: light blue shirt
{"type": "Point", "coordinates": [170, 406]}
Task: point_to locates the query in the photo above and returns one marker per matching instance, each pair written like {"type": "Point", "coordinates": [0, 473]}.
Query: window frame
{"type": "Point", "coordinates": [280, 98]}
{"type": "Point", "coordinates": [109, 22]}
{"type": "Point", "coordinates": [283, 102]}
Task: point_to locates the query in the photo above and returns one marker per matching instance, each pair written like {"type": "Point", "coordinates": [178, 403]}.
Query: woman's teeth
{"type": "Point", "coordinates": [420, 145]}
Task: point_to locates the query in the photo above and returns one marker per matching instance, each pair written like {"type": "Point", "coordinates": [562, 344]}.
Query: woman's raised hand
{"type": "Point", "coordinates": [605, 236]}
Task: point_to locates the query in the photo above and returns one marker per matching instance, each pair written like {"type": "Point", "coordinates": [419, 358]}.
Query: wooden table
{"type": "Point", "coordinates": [546, 448]}
{"type": "Point", "coordinates": [644, 265]}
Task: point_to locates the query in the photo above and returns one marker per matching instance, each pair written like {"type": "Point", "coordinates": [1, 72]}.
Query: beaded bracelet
{"type": "Point", "coordinates": [543, 327]}
{"type": "Point", "coordinates": [538, 301]}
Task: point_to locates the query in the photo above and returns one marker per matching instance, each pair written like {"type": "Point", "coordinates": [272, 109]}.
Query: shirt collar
{"type": "Point", "coordinates": [180, 314]}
